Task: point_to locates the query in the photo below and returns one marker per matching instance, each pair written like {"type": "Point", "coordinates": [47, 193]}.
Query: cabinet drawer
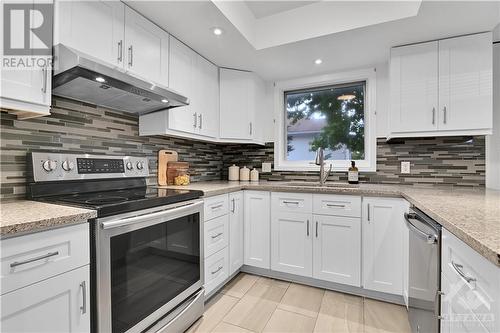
{"type": "Point", "coordinates": [291, 202]}
{"type": "Point", "coordinates": [216, 270]}
{"type": "Point", "coordinates": [35, 257]}
{"type": "Point", "coordinates": [473, 278]}
{"type": "Point", "coordinates": [216, 233]}
{"type": "Point", "coordinates": [339, 205]}
{"type": "Point", "coordinates": [216, 206]}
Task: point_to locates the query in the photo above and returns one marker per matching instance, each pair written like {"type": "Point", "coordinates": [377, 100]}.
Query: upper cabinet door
{"type": "Point", "coordinates": [206, 99]}
{"type": "Point", "coordinates": [414, 88]}
{"type": "Point", "coordinates": [146, 48]}
{"type": "Point", "coordinates": [92, 27]}
{"type": "Point", "coordinates": [465, 82]}
{"type": "Point", "coordinates": [236, 115]}
{"type": "Point", "coordinates": [181, 79]}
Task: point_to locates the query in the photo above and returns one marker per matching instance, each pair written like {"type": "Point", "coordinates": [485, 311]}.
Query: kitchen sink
{"type": "Point", "coordinates": [327, 184]}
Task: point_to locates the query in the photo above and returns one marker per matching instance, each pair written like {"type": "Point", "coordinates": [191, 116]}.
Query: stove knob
{"type": "Point", "coordinates": [140, 165]}
{"type": "Point", "coordinates": [68, 165]}
{"type": "Point", "coordinates": [129, 166]}
{"type": "Point", "coordinates": [49, 165]}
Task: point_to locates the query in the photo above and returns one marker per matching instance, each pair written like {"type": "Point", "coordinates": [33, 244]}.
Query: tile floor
{"type": "Point", "coordinates": [252, 303]}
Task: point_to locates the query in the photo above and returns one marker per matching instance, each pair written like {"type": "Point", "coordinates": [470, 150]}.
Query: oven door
{"type": "Point", "coordinates": [148, 262]}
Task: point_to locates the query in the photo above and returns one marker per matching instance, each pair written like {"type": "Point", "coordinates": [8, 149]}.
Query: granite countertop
{"type": "Point", "coordinates": [473, 215]}
{"type": "Point", "coordinates": [25, 216]}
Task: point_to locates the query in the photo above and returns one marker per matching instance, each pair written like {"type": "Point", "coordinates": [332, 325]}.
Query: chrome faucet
{"type": "Point", "coordinates": [320, 160]}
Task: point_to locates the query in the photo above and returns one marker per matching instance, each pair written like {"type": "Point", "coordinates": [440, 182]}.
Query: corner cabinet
{"type": "Point", "coordinates": [383, 235]}
{"type": "Point", "coordinates": [435, 85]}
{"type": "Point", "coordinates": [257, 228]}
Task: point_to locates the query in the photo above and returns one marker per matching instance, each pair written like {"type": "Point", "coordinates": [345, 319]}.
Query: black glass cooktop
{"type": "Point", "coordinates": [120, 201]}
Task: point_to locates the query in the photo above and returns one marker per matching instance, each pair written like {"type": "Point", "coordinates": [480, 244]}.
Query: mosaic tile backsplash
{"type": "Point", "coordinates": [458, 161]}
{"type": "Point", "coordinates": [78, 127]}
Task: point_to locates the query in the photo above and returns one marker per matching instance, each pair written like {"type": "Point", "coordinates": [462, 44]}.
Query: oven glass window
{"type": "Point", "coordinates": [151, 266]}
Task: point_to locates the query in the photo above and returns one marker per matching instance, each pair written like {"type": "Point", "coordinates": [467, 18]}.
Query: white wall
{"type": "Point", "coordinates": [493, 141]}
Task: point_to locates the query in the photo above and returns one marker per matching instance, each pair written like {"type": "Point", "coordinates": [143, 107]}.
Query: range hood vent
{"type": "Point", "coordinates": [84, 78]}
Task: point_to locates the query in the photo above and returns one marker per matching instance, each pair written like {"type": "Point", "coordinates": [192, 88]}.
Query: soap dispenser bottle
{"type": "Point", "coordinates": [353, 174]}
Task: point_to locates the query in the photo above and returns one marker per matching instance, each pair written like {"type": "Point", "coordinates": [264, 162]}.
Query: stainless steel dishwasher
{"type": "Point", "coordinates": [424, 279]}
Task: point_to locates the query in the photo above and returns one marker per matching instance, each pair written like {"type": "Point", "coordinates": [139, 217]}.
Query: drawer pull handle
{"type": "Point", "coordinates": [291, 202]}
{"type": "Point", "coordinates": [27, 261]}
{"type": "Point", "coordinates": [217, 206]}
{"type": "Point", "coordinates": [83, 308]}
{"type": "Point", "coordinates": [459, 269]}
{"type": "Point", "coordinates": [335, 205]}
{"type": "Point", "coordinates": [218, 235]}
{"type": "Point", "coordinates": [217, 270]}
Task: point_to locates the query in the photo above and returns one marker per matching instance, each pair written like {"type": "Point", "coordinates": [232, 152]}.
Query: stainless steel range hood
{"type": "Point", "coordinates": [81, 77]}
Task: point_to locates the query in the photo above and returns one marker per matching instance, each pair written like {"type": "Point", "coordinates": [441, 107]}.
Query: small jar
{"type": "Point", "coordinates": [234, 173]}
{"type": "Point", "coordinates": [254, 175]}
{"type": "Point", "coordinates": [244, 174]}
{"type": "Point", "coordinates": [182, 177]}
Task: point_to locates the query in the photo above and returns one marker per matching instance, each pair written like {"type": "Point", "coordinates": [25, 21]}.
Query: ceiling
{"type": "Point", "coordinates": [192, 22]}
{"type": "Point", "coordinates": [262, 9]}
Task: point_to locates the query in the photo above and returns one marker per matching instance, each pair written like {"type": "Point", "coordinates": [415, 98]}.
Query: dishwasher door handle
{"type": "Point", "coordinates": [429, 238]}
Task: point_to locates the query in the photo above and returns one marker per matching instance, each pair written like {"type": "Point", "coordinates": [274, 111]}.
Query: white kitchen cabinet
{"type": "Point", "coordinates": [435, 85]}
{"type": "Point", "coordinates": [216, 234]}
{"type": "Point", "coordinates": [216, 270]}
{"type": "Point", "coordinates": [414, 87]}
{"type": "Point", "coordinates": [383, 223]}
{"type": "Point", "coordinates": [466, 82]}
{"type": "Point", "coordinates": [25, 92]}
{"type": "Point", "coordinates": [96, 28]}
{"type": "Point", "coordinates": [235, 231]}
{"type": "Point", "coordinates": [337, 249]}
{"type": "Point", "coordinates": [236, 113]}
{"type": "Point", "coordinates": [206, 98]}
{"type": "Point", "coordinates": [58, 304]}
{"type": "Point", "coordinates": [291, 242]}
{"type": "Point", "coordinates": [257, 228]}
{"type": "Point", "coordinates": [146, 48]}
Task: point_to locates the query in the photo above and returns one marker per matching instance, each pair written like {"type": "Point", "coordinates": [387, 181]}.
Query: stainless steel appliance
{"type": "Point", "coordinates": [82, 77]}
{"type": "Point", "coordinates": [147, 244]}
{"type": "Point", "coordinates": [424, 279]}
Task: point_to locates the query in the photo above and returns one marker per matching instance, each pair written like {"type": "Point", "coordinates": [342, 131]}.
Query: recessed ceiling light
{"type": "Point", "coordinates": [164, 100]}
{"type": "Point", "coordinates": [318, 61]}
{"type": "Point", "coordinates": [100, 79]}
{"type": "Point", "coordinates": [217, 31]}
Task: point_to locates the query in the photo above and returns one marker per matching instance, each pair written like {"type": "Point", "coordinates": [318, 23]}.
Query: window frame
{"type": "Point", "coordinates": [366, 75]}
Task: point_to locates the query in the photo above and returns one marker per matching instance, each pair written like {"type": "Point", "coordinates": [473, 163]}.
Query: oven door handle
{"type": "Point", "coordinates": [148, 216]}
{"type": "Point", "coordinates": [430, 239]}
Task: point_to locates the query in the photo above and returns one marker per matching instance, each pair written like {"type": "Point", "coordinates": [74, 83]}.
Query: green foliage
{"type": "Point", "coordinates": [344, 118]}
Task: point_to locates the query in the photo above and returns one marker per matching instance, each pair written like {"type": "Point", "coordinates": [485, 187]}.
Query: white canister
{"type": "Point", "coordinates": [254, 175]}
{"type": "Point", "coordinates": [244, 174]}
{"type": "Point", "coordinates": [234, 172]}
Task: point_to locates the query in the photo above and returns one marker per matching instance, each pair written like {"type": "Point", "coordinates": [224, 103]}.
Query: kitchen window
{"type": "Point", "coordinates": [334, 112]}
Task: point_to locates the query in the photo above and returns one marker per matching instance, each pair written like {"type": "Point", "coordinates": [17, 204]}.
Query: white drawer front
{"type": "Point", "coordinates": [216, 206]}
{"type": "Point", "coordinates": [291, 202]}
{"type": "Point", "coordinates": [35, 257]}
{"type": "Point", "coordinates": [473, 279]}
{"type": "Point", "coordinates": [339, 205]}
{"type": "Point", "coordinates": [216, 270]}
{"type": "Point", "coordinates": [216, 234]}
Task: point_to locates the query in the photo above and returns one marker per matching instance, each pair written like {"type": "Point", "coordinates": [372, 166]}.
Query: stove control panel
{"type": "Point", "coordinates": [55, 167]}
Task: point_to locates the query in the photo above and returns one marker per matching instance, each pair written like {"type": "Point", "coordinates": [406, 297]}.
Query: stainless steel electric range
{"type": "Point", "coordinates": [147, 267]}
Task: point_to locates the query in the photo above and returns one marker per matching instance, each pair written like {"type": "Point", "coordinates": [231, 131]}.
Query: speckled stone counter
{"type": "Point", "coordinates": [24, 216]}
{"type": "Point", "coordinates": [471, 215]}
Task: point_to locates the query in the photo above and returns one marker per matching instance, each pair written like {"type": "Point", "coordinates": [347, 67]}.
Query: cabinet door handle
{"type": "Point", "coordinates": [290, 202]}
{"type": "Point", "coordinates": [234, 206]}
{"type": "Point", "coordinates": [459, 269]}
{"type": "Point", "coordinates": [316, 229]}
{"type": "Point", "coordinates": [217, 206]}
{"type": "Point", "coordinates": [27, 261]}
{"type": "Point", "coordinates": [130, 56]}
{"type": "Point", "coordinates": [201, 119]}
{"type": "Point", "coordinates": [44, 80]}
{"type": "Point", "coordinates": [335, 205]}
{"type": "Point", "coordinates": [368, 212]}
{"type": "Point", "coordinates": [217, 270]}
{"type": "Point", "coordinates": [251, 128]}
{"type": "Point", "coordinates": [195, 122]}
{"type": "Point", "coordinates": [83, 286]}
{"type": "Point", "coordinates": [444, 115]}
{"type": "Point", "coordinates": [217, 235]}
{"type": "Point", "coordinates": [433, 116]}
{"type": "Point", "coordinates": [120, 51]}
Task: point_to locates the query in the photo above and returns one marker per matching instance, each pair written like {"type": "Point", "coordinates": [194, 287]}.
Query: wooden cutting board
{"type": "Point", "coordinates": [165, 156]}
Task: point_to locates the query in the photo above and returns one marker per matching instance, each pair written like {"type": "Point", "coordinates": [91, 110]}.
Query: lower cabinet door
{"type": "Point", "coordinates": [216, 270]}
{"type": "Point", "coordinates": [291, 243]}
{"type": "Point", "coordinates": [337, 249]}
{"type": "Point", "coordinates": [257, 228]}
{"type": "Point", "coordinates": [235, 231]}
{"type": "Point", "coordinates": [58, 304]}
